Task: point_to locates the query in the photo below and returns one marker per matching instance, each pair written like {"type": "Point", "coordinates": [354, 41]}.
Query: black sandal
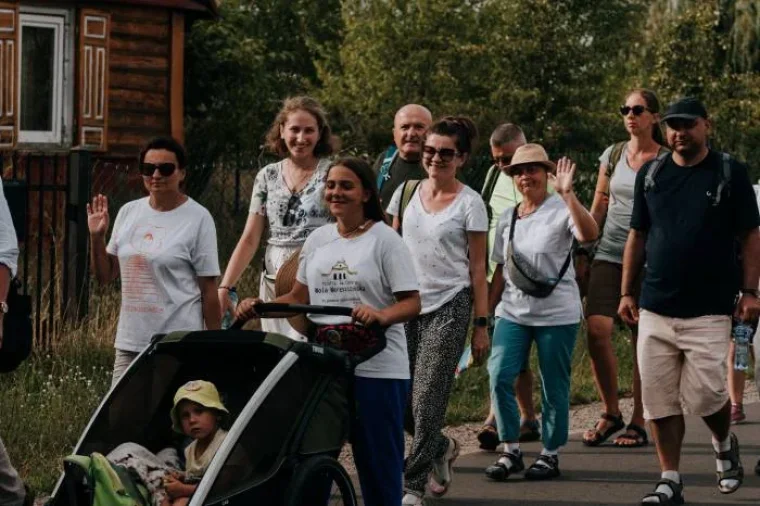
{"type": "Point", "coordinates": [663, 498]}
{"type": "Point", "coordinates": [600, 437]}
{"type": "Point", "coordinates": [736, 472]}
{"type": "Point", "coordinates": [500, 472]}
{"type": "Point", "coordinates": [640, 438]}
{"type": "Point", "coordinates": [545, 467]}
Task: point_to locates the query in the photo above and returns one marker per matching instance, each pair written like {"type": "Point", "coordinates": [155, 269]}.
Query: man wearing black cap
{"type": "Point", "coordinates": [691, 208]}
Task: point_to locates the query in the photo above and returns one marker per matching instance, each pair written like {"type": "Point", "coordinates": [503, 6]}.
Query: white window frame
{"type": "Point", "coordinates": [63, 89]}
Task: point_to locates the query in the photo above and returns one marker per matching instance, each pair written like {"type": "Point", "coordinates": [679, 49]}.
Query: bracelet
{"type": "Point", "coordinates": [626, 295]}
{"type": "Point", "coordinates": [228, 288]}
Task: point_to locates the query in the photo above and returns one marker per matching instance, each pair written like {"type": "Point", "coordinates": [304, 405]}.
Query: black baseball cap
{"type": "Point", "coordinates": [686, 108]}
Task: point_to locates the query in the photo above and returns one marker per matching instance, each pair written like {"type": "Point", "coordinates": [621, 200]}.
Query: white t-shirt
{"type": "Point", "coordinates": [367, 269]}
{"type": "Point", "coordinates": [292, 217]}
{"type": "Point", "coordinates": [544, 238]}
{"type": "Point", "coordinates": [161, 255]}
{"type": "Point", "coordinates": [438, 243]}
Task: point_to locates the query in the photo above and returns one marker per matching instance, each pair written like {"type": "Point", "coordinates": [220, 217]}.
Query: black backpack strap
{"type": "Point", "coordinates": [617, 152]}
{"type": "Point", "coordinates": [407, 192]}
{"type": "Point", "coordinates": [649, 179]}
{"type": "Point", "coordinates": [724, 181]}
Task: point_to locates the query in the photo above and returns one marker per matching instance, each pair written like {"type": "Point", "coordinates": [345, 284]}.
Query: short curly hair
{"type": "Point", "coordinates": [326, 145]}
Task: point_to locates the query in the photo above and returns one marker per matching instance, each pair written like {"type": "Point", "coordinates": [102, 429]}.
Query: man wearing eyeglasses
{"type": "Point", "coordinates": [402, 161]}
{"type": "Point", "coordinates": [691, 208]}
{"type": "Point", "coordinates": [499, 194]}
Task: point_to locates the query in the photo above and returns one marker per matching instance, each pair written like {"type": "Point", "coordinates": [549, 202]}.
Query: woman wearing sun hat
{"type": "Point", "coordinates": [535, 298]}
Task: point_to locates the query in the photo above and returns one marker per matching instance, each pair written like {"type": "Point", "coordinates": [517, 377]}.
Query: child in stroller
{"type": "Point", "coordinates": [197, 413]}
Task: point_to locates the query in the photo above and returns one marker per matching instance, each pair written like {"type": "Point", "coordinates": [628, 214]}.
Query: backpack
{"type": "Point", "coordinates": [94, 481]}
{"type": "Point", "coordinates": [724, 177]}
{"type": "Point", "coordinates": [383, 174]}
{"type": "Point", "coordinates": [17, 328]}
{"type": "Point", "coordinates": [407, 192]}
{"type": "Point", "coordinates": [488, 187]}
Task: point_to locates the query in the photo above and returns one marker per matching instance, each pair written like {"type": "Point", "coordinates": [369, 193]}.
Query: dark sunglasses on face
{"type": "Point", "coordinates": [165, 169]}
{"type": "Point", "coordinates": [681, 123]}
{"type": "Point", "coordinates": [638, 110]}
{"type": "Point", "coordinates": [445, 154]}
{"type": "Point", "coordinates": [524, 169]}
{"type": "Point", "coordinates": [502, 160]}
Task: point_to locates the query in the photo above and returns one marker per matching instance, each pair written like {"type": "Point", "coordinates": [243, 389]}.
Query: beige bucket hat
{"type": "Point", "coordinates": [533, 154]}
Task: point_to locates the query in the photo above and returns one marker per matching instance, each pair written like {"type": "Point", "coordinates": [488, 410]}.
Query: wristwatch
{"type": "Point", "coordinates": [480, 321]}
{"type": "Point", "coordinates": [750, 291]}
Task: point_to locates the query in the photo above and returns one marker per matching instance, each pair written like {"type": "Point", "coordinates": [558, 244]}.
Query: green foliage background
{"type": "Point", "coordinates": [559, 68]}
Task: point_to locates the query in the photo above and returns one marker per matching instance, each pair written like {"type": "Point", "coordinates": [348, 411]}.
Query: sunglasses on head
{"type": "Point", "coordinates": [502, 160]}
{"type": "Point", "coordinates": [445, 154]}
{"type": "Point", "coordinates": [638, 110]}
{"type": "Point", "coordinates": [166, 169]}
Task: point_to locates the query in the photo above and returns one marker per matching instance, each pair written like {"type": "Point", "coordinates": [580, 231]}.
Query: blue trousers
{"type": "Point", "coordinates": [378, 439]}
{"type": "Point", "coordinates": [511, 346]}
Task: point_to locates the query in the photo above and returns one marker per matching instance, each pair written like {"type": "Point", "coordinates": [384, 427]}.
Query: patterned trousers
{"type": "Point", "coordinates": [11, 487]}
{"type": "Point", "coordinates": [435, 342]}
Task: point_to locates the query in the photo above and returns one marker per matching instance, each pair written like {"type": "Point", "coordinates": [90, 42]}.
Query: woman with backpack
{"type": "Point", "coordinates": [444, 225]}
{"type": "Point", "coordinates": [612, 207]}
{"type": "Point", "coordinates": [536, 299]}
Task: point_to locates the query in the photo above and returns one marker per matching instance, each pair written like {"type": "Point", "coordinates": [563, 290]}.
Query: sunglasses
{"type": "Point", "coordinates": [445, 154]}
{"type": "Point", "coordinates": [165, 169]}
{"type": "Point", "coordinates": [502, 160]}
{"type": "Point", "coordinates": [638, 110]}
{"type": "Point", "coordinates": [291, 212]}
{"type": "Point", "coordinates": [525, 169]}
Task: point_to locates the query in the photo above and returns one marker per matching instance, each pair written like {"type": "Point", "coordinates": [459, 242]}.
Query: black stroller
{"type": "Point", "coordinates": [290, 404]}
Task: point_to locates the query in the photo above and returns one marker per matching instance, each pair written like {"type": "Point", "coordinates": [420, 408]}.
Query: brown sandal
{"type": "Point", "coordinates": [638, 439]}
{"type": "Point", "coordinates": [600, 437]}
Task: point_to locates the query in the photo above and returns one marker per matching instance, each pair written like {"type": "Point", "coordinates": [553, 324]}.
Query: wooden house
{"type": "Point", "coordinates": [100, 75]}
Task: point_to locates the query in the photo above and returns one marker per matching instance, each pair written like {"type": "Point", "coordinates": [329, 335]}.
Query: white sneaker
{"type": "Point", "coordinates": [412, 500]}
{"type": "Point", "coordinates": [443, 472]}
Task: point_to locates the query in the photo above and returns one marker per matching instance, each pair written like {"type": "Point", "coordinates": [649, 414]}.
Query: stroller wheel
{"type": "Point", "coordinates": [320, 480]}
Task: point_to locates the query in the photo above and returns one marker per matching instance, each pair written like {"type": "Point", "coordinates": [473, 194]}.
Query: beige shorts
{"type": "Point", "coordinates": [683, 364]}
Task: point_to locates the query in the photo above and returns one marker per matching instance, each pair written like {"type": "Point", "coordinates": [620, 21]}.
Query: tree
{"type": "Point", "coordinates": [241, 67]}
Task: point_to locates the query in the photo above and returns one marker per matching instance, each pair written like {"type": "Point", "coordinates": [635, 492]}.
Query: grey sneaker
{"type": "Point", "coordinates": [443, 472]}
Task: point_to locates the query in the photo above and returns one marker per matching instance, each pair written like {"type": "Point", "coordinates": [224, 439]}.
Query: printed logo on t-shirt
{"type": "Point", "coordinates": [140, 290]}
{"type": "Point", "coordinates": [340, 285]}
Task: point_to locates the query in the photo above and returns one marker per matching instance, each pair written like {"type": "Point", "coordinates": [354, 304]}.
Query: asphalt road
{"type": "Point", "coordinates": [608, 475]}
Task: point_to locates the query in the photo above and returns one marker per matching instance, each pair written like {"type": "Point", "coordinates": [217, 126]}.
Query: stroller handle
{"type": "Point", "coordinates": [277, 307]}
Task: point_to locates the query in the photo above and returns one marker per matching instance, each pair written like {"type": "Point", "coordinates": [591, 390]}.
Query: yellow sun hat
{"type": "Point", "coordinates": [202, 392]}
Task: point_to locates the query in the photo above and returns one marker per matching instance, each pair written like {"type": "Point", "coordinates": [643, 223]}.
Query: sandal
{"type": "Point", "coordinates": [663, 498]}
{"type": "Point", "coordinates": [530, 431]}
{"type": "Point", "coordinates": [736, 472]}
{"type": "Point", "coordinates": [638, 439]}
{"type": "Point", "coordinates": [600, 437]}
{"type": "Point", "coordinates": [500, 472]}
{"type": "Point", "coordinates": [488, 438]}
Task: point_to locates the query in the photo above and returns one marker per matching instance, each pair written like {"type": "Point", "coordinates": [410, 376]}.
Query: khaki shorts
{"type": "Point", "coordinates": [683, 364]}
{"type": "Point", "coordinates": [603, 297]}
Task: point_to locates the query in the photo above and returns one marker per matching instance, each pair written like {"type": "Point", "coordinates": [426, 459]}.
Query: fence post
{"type": "Point", "coordinates": [78, 296]}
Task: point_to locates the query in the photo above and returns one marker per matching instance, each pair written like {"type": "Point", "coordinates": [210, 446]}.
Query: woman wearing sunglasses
{"type": "Point", "coordinates": [164, 249]}
{"type": "Point", "coordinates": [536, 299]}
{"type": "Point", "coordinates": [445, 226]}
{"type": "Point", "coordinates": [287, 198]}
{"type": "Point", "coordinates": [612, 207]}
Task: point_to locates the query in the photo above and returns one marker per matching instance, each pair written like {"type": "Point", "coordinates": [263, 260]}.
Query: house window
{"type": "Point", "coordinates": [41, 78]}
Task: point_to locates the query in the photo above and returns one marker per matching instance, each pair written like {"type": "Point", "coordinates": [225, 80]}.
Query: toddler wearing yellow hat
{"type": "Point", "coordinates": [197, 413]}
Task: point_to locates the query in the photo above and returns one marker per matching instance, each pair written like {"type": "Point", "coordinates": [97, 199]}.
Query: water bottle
{"type": "Point", "coordinates": [742, 334]}
{"type": "Point", "coordinates": [229, 315]}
